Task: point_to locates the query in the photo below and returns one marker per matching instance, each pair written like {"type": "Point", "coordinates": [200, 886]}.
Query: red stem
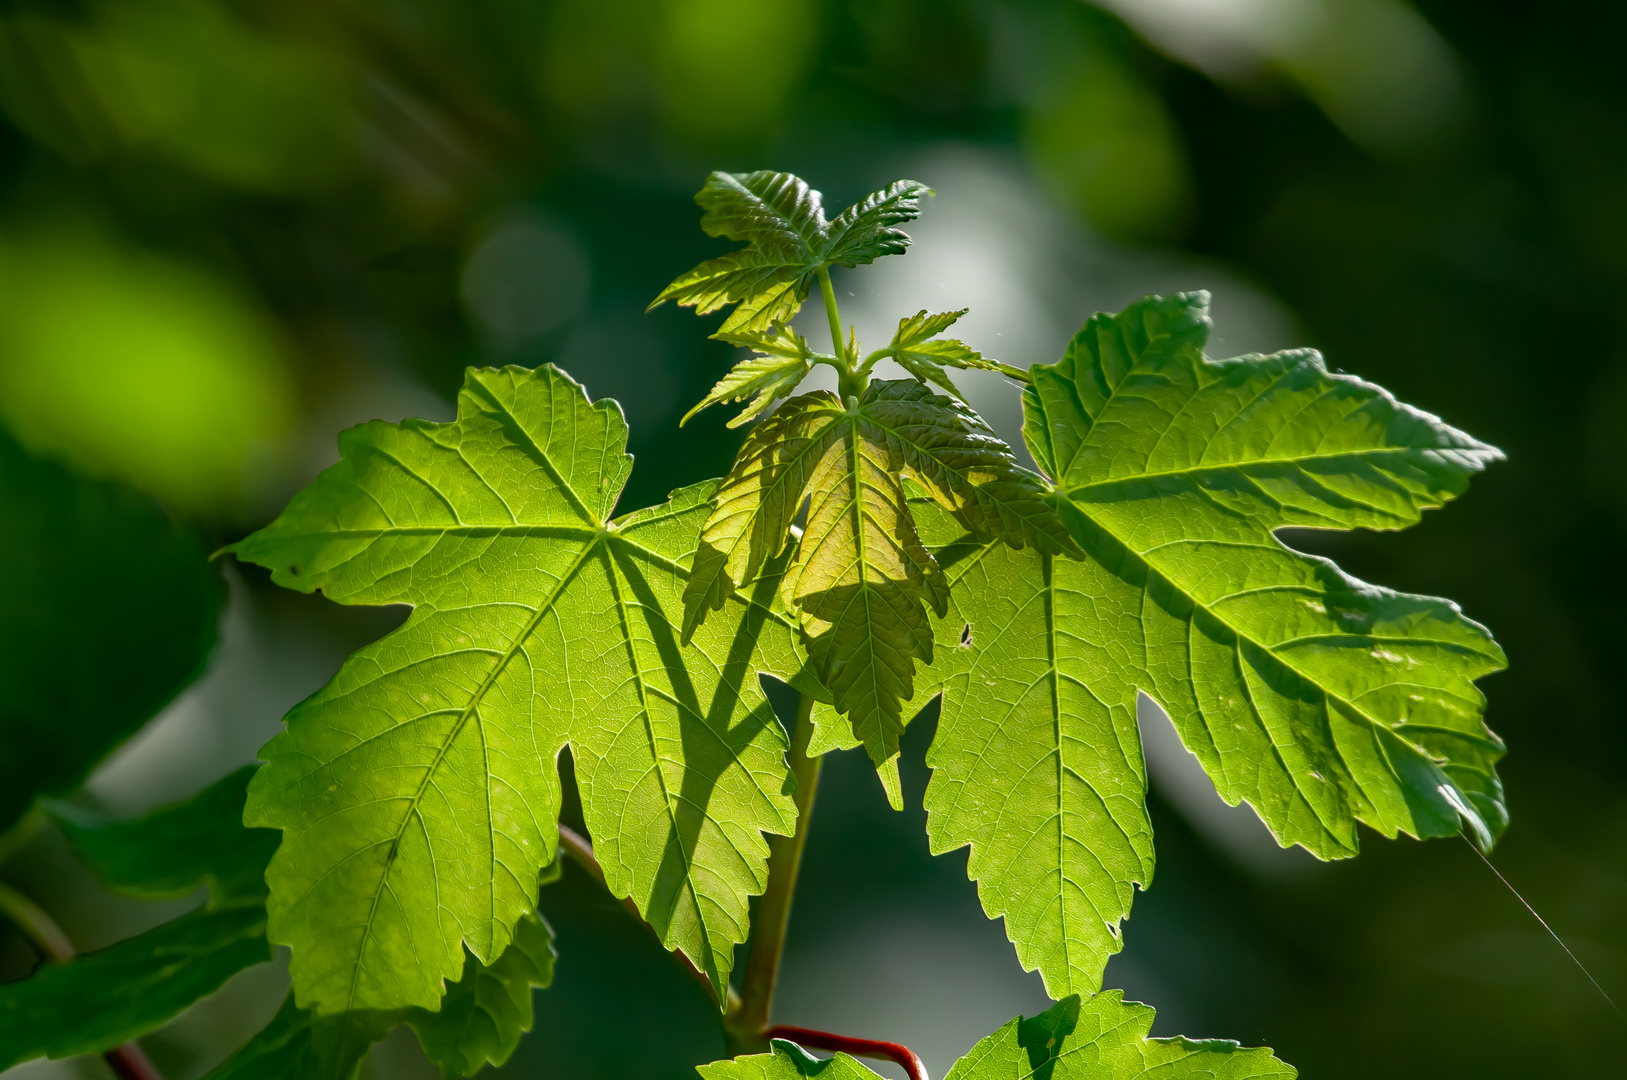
{"type": "Point", "coordinates": [847, 1044]}
{"type": "Point", "coordinates": [129, 1063]}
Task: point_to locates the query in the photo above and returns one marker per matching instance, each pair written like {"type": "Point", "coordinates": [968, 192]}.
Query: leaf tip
{"type": "Point", "coordinates": [887, 772]}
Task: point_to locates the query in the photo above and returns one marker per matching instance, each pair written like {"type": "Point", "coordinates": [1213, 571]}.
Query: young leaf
{"type": "Point", "coordinates": [98, 1000]}
{"type": "Point", "coordinates": [417, 791]}
{"type": "Point", "coordinates": [859, 575]}
{"type": "Point", "coordinates": [481, 1021]}
{"type": "Point", "coordinates": [76, 558]}
{"type": "Point", "coordinates": [866, 231]}
{"type": "Point", "coordinates": [1099, 1038]}
{"type": "Point", "coordinates": [919, 350]}
{"type": "Point", "coordinates": [783, 360]}
{"type": "Point", "coordinates": [782, 221]}
{"type": "Point", "coordinates": [170, 852]}
{"type": "Point", "coordinates": [1319, 699]}
{"type": "Point", "coordinates": [965, 467]}
{"type": "Point", "coordinates": [860, 580]}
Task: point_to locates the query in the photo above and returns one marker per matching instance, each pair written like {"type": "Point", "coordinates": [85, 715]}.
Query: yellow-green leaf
{"type": "Point", "coordinates": [417, 792]}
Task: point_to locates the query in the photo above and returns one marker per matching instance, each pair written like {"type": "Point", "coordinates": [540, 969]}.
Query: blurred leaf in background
{"type": "Point", "coordinates": [139, 366]}
{"type": "Point", "coordinates": [186, 80]}
{"type": "Point", "coordinates": [712, 72]}
{"type": "Point", "coordinates": [106, 611]}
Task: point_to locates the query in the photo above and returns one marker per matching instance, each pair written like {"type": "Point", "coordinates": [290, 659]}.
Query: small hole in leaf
{"type": "Point", "coordinates": [966, 636]}
{"type": "Point", "coordinates": [292, 569]}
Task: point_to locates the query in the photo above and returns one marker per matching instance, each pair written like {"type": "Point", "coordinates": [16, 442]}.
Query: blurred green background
{"type": "Point", "coordinates": [229, 228]}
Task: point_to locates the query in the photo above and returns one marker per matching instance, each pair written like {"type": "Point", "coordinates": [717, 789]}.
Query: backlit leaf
{"type": "Point", "coordinates": [481, 1021]}
{"type": "Point", "coordinates": [1105, 1038]}
{"type": "Point", "coordinates": [1037, 761]}
{"type": "Point", "coordinates": [919, 350]}
{"type": "Point", "coordinates": [782, 220]}
{"type": "Point", "coordinates": [783, 359]}
{"type": "Point", "coordinates": [965, 467]}
{"type": "Point", "coordinates": [860, 582]}
{"type": "Point", "coordinates": [417, 791]}
{"type": "Point", "coordinates": [485, 1013]}
{"type": "Point", "coordinates": [786, 1061]}
{"type": "Point", "coordinates": [1319, 699]}
{"type": "Point", "coordinates": [860, 577]}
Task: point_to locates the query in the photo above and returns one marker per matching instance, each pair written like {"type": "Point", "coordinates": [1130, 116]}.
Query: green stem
{"type": "Point", "coordinates": [743, 1026]}
{"type": "Point", "coordinates": [835, 316]}
{"type": "Point", "coordinates": [39, 928]}
{"type": "Point", "coordinates": [127, 1061]}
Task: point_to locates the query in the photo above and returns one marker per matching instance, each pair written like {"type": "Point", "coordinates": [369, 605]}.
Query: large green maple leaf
{"type": "Point", "coordinates": [1320, 700]}
{"type": "Point", "coordinates": [859, 576]}
{"type": "Point", "coordinates": [417, 792]}
{"type": "Point", "coordinates": [1098, 1038]}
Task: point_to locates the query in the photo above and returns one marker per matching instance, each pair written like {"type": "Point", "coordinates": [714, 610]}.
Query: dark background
{"type": "Point", "coordinates": [228, 229]}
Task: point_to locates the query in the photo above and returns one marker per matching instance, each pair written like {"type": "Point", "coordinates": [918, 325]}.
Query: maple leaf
{"type": "Point", "coordinates": [782, 359]}
{"type": "Point", "coordinates": [789, 243]}
{"type": "Point", "coordinates": [417, 792]}
{"type": "Point", "coordinates": [1320, 700]}
{"type": "Point", "coordinates": [919, 350]}
{"type": "Point", "coordinates": [859, 576]}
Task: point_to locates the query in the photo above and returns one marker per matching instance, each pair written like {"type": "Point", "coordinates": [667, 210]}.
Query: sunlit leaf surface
{"type": "Point", "coordinates": [1321, 700]}
{"type": "Point", "coordinates": [859, 576]}
{"type": "Point", "coordinates": [782, 221]}
{"type": "Point", "coordinates": [417, 791]}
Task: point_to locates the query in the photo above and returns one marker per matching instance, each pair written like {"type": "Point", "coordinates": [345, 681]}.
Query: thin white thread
{"type": "Point", "coordinates": [1579, 965]}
